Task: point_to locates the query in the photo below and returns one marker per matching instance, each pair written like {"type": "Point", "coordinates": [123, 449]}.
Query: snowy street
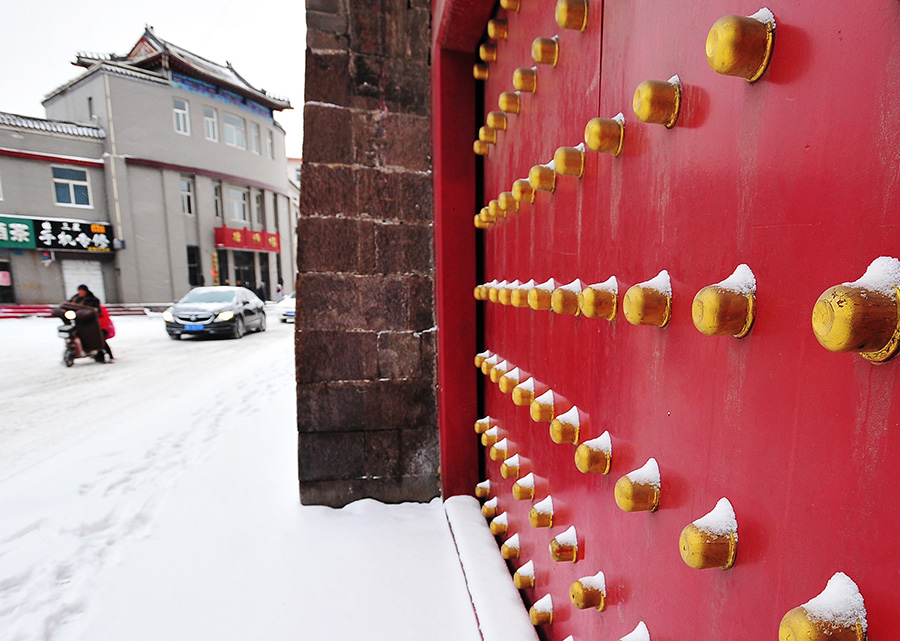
{"type": "Point", "coordinates": [156, 498]}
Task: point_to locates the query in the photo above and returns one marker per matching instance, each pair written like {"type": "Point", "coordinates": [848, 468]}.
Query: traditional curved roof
{"type": "Point", "coordinates": [154, 55]}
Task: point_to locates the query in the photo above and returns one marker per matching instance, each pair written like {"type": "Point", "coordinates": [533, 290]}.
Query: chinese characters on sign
{"type": "Point", "coordinates": [57, 234]}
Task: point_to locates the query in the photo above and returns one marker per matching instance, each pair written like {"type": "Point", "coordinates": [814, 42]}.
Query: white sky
{"type": "Point", "coordinates": [265, 41]}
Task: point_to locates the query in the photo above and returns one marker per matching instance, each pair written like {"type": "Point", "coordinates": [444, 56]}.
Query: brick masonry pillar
{"type": "Point", "coordinates": [365, 338]}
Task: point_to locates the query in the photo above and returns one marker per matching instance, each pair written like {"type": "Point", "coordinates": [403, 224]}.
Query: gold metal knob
{"type": "Point", "coordinates": [564, 547]}
{"type": "Point", "coordinates": [508, 202]}
{"type": "Point", "coordinates": [481, 223]}
{"type": "Point", "coordinates": [650, 302]}
{"type": "Point", "coordinates": [488, 135]}
{"type": "Point", "coordinates": [594, 456]}
{"type": "Point", "coordinates": [638, 491]}
{"type": "Point", "coordinates": [492, 296]}
{"type": "Point", "coordinates": [509, 102]}
{"type": "Point", "coordinates": [727, 308]}
{"type": "Point", "coordinates": [542, 408]}
{"type": "Point", "coordinates": [600, 300]}
{"type": "Point", "coordinates": [509, 469]}
{"type": "Point", "coordinates": [741, 46]}
{"type": "Point", "coordinates": [564, 299]}
{"type": "Point", "coordinates": [487, 215]}
{"type": "Point", "coordinates": [488, 363]}
{"type": "Point", "coordinates": [524, 576]}
{"type": "Point", "coordinates": [500, 524]}
{"type": "Point", "coordinates": [481, 356]}
{"type": "Point", "coordinates": [510, 548]}
{"type": "Point", "coordinates": [541, 295]}
{"type": "Point", "coordinates": [502, 367]}
{"type": "Point", "coordinates": [495, 210]}
{"type": "Point", "coordinates": [543, 178]}
{"type": "Point", "coordinates": [500, 450]}
{"type": "Point", "coordinates": [510, 5]}
{"type": "Point", "coordinates": [541, 613]}
{"type": "Point", "coordinates": [541, 513]}
{"type": "Point", "coordinates": [605, 135]}
{"type": "Point", "coordinates": [862, 316]}
{"type": "Point", "coordinates": [482, 425]}
{"type": "Point", "coordinates": [525, 79]}
{"type": "Point", "coordinates": [489, 509]}
{"type": "Point", "coordinates": [545, 51]}
{"type": "Point", "coordinates": [711, 541]}
{"type": "Point", "coordinates": [497, 29]}
{"type": "Point", "coordinates": [483, 489]}
{"type": "Point", "coordinates": [488, 52]}
{"type": "Point", "coordinates": [572, 14]}
{"type": "Point", "coordinates": [496, 120]}
{"type": "Point", "coordinates": [838, 613]}
{"type": "Point", "coordinates": [523, 488]}
{"type": "Point", "coordinates": [509, 380]}
{"type": "Point", "coordinates": [480, 147]}
{"type": "Point", "coordinates": [505, 296]}
{"type": "Point", "coordinates": [589, 592]}
{"type": "Point", "coordinates": [491, 436]}
{"type": "Point", "coordinates": [481, 71]}
{"type": "Point", "coordinates": [523, 191]}
{"type": "Point", "coordinates": [523, 393]}
{"type": "Point", "coordinates": [658, 101]}
{"type": "Point", "coordinates": [569, 161]}
{"type": "Point", "coordinates": [565, 427]}
{"type": "Point", "coordinates": [520, 294]}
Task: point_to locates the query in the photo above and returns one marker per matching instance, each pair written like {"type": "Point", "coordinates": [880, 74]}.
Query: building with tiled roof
{"type": "Point", "coordinates": [177, 158]}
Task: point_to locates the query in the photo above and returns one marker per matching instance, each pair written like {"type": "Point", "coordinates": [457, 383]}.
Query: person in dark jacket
{"type": "Point", "coordinates": [85, 296]}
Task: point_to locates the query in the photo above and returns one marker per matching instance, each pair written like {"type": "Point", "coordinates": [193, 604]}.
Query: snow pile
{"type": "Point", "coordinates": [502, 445]}
{"type": "Point", "coordinates": [546, 286]}
{"type": "Point", "coordinates": [609, 285]}
{"type": "Point", "coordinates": [512, 461]}
{"type": "Point", "coordinates": [492, 503]}
{"type": "Point", "coordinates": [675, 80]}
{"type": "Point", "coordinates": [544, 507]}
{"type": "Point", "coordinates": [602, 443]}
{"type": "Point", "coordinates": [596, 582]}
{"type": "Point", "coordinates": [501, 519]}
{"type": "Point", "coordinates": [493, 432]}
{"type": "Point", "coordinates": [574, 287]}
{"type": "Point", "coordinates": [719, 521]}
{"type": "Point", "coordinates": [512, 543]}
{"type": "Point", "coordinates": [526, 481]}
{"type": "Point", "coordinates": [646, 475]}
{"type": "Point", "coordinates": [485, 485]}
{"type": "Point", "coordinates": [840, 603]}
{"type": "Point", "coordinates": [570, 417]}
{"type": "Point", "coordinates": [881, 276]}
{"type": "Point", "coordinates": [569, 538]}
{"type": "Point", "coordinates": [640, 633]}
{"type": "Point", "coordinates": [619, 118]}
{"type": "Point", "coordinates": [545, 399]}
{"type": "Point", "coordinates": [513, 375]}
{"type": "Point", "coordinates": [526, 286]}
{"type": "Point", "coordinates": [741, 281]}
{"type": "Point", "coordinates": [526, 570]}
{"type": "Point", "coordinates": [660, 283]}
{"type": "Point", "coordinates": [544, 604]}
{"type": "Point", "coordinates": [527, 385]}
{"type": "Point", "coordinates": [765, 16]}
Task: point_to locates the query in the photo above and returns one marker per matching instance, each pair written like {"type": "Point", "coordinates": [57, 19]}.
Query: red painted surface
{"type": "Point", "coordinates": [234, 238]}
{"type": "Point", "coordinates": [795, 175]}
{"type": "Point", "coordinates": [454, 253]}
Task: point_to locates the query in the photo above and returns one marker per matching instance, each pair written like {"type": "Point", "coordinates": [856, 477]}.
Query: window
{"type": "Point", "coordinates": [181, 116]}
{"type": "Point", "coordinates": [234, 131]}
{"type": "Point", "coordinates": [195, 272]}
{"type": "Point", "coordinates": [237, 203]}
{"type": "Point", "coordinates": [254, 137]}
{"type": "Point", "coordinates": [261, 208]}
{"type": "Point", "coordinates": [71, 187]}
{"type": "Point", "coordinates": [270, 144]}
{"type": "Point", "coordinates": [211, 124]}
{"type": "Point", "coordinates": [275, 210]}
{"type": "Point", "coordinates": [90, 108]}
{"type": "Point", "coordinates": [217, 198]}
{"type": "Point", "coordinates": [187, 194]}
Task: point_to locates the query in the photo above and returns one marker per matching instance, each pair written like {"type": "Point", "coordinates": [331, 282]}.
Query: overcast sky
{"type": "Point", "coordinates": [263, 39]}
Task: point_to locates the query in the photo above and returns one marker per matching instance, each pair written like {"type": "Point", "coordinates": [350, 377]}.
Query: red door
{"type": "Point", "coordinates": [797, 176]}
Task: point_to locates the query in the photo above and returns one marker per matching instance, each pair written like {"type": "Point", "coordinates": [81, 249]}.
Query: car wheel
{"type": "Point", "coordinates": [262, 321]}
{"type": "Point", "coordinates": [69, 357]}
{"type": "Point", "coordinates": [238, 328]}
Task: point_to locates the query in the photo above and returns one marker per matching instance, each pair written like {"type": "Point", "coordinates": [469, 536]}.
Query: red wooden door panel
{"type": "Point", "coordinates": [796, 176]}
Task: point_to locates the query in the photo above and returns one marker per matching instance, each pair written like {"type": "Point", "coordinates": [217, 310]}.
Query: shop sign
{"type": "Point", "coordinates": [247, 239]}
{"type": "Point", "coordinates": [57, 234]}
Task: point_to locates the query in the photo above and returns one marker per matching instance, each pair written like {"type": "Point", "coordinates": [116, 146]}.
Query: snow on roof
{"type": "Point", "coordinates": [51, 126]}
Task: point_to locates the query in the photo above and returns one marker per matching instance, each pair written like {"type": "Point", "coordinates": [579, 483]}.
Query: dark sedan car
{"type": "Point", "coordinates": [215, 311]}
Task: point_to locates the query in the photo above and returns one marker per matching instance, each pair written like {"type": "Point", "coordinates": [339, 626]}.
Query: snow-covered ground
{"type": "Point", "coordinates": [155, 498]}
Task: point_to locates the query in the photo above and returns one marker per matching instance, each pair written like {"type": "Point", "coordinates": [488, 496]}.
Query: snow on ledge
{"type": "Point", "coordinates": [498, 607]}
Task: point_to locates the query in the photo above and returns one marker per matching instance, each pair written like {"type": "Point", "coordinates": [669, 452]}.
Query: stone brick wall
{"type": "Point", "coordinates": [365, 342]}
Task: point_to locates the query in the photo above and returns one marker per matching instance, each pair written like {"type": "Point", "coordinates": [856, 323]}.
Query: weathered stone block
{"type": "Point", "coordinates": [327, 189]}
{"type": "Point", "coordinates": [420, 452]}
{"type": "Point", "coordinates": [368, 139]}
{"type": "Point", "coordinates": [318, 40]}
{"type": "Point", "coordinates": [334, 244]}
{"type": "Point", "coordinates": [409, 139]}
{"type": "Point", "coordinates": [331, 407]}
{"type": "Point", "coordinates": [404, 249]}
{"type": "Point", "coordinates": [329, 139]}
{"type": "Point", "coordinates": [326, 22]}
{"type": "Point", "coordinates": [400, 355]}
{"type": "Point", "coordinates": [421, 303]}
{"type": "Point", "coordinates": [346, 302]}
{"type": "Point", "coordinates": [327, 78]}
{"type": "Point", "coordinates": [382, 453]}
{"type": "Point", "coordinates": [406, 87]}
{"type": "Point", "coordinates": [402, 404]}
{"type": "Point", "coordinates": [331, 455]}
{"type": "Point", "coordinates": [325, 6]}
{"type": "Point", "coordinates": [367, 28]}
{"type": "Point", "coordinates": [335, 356]}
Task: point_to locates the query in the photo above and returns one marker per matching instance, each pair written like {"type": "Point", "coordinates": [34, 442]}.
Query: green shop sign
{"type": "Point", "coordinates": [17, 233]}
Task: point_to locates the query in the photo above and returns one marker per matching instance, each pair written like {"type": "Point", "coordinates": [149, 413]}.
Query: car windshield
{"type": "Point", "coordinates": [209, 296]}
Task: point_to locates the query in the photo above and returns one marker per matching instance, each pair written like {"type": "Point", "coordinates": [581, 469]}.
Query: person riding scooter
{"type": "Point", "coordinates": [84, 296]}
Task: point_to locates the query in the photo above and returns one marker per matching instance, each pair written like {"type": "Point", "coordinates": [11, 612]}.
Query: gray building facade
{"type": "Point", "coordinates": [182, 163]}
